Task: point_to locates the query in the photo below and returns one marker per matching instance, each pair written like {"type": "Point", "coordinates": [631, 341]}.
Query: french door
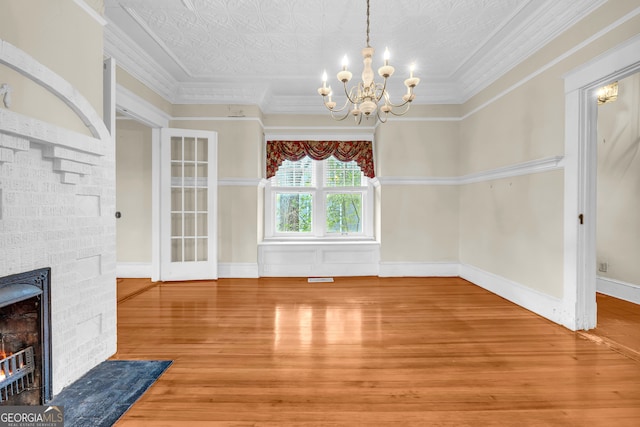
{"type": "Point", "coordinates": [188, 205]}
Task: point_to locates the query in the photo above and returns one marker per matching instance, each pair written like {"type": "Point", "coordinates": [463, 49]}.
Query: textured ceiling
{"type": "Point", "coordinates": [272, 52]}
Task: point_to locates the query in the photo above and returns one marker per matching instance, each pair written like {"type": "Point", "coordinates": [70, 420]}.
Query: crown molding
{"type": "Point", "coordinates": [130, 57]}
{"type": "Point", "coordinates": [529, 29]}
{"type": "Point", "coordinates": [220, 93]}
{"type": "Point", "coordinates": [142, 23]}
{"type": "Point", "coordinates": [532, 28]}
{"type": "Point", "coordinates": [91, 12]}
{"type": "Point", "coordinates": [436, 91]}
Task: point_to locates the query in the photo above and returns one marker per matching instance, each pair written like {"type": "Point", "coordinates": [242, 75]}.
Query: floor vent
{"type": "Point", "coordinates": [319, 279]}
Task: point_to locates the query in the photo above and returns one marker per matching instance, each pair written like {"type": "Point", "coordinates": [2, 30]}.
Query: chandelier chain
{"type": "Point", "coordinates": [368, 23]}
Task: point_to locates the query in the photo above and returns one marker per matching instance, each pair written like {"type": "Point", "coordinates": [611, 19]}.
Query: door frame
{"type": "Point", "coordinates": [581, 84]}
{"type": "Point", "coordinates": [131, 105]}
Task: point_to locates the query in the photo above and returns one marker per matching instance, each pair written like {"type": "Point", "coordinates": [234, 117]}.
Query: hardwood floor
{"type": "Point", "coordinates": [618, 325]}
{"type": "Point", "coordinates": [365, 351]}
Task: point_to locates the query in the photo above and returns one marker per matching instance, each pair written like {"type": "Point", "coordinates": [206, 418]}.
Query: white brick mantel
{"type": "Point", "coordinates": [74, 154]}
{"type": "Point", "coordinates": [57, 205]}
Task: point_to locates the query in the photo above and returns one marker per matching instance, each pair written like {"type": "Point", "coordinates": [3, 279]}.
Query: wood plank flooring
{"type": "Point", "coordinates": [618, 325]}
{"type": "Point", "coordinates": [365, 352]}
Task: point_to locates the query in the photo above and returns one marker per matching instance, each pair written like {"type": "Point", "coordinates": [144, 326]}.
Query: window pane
{"type": "Point", "coordinates": [293, 212]}
{"type": "Point", "coordinates": [342, 174]}
{"type": "Point", "coordinates": [176, 250]}
{"type": "Point", "coordinates": [190, 149]}
{"type": "Point", "coordinates": [295, 174]}
{"type": "Point", "coordinates": [344, 213]}
{"type": "Point", "coordinates": [176, 148]}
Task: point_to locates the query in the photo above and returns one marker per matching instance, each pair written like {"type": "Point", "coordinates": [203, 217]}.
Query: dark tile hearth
{"type": "Point", "coordinates": [105, 393]}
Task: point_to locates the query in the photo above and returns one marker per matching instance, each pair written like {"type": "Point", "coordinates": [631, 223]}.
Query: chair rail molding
{"type": "Point", "coordinates": [525, 168]}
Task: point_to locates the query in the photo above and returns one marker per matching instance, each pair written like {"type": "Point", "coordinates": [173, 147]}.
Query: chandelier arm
{"type": "Point", "coordinates": [383, 92]}
{"type": "Point", "coordinates": [339, 119]}
{"type": "Point", "coordinates": [403, 103]}
{"type": "Point", "coordinates": [337, 110]}
{"type": "Point", "coordinates": [406, 110]}
{"type": "Point", "coordinates": [380, 117]}
{"type": "Point", "coordinates": [391, 104]}
{"type": "Point", "coordinates": [349, 94]}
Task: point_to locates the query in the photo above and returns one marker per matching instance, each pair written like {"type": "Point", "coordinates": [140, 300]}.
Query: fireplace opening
{"type": "Point", "coordinates": [25, 338]}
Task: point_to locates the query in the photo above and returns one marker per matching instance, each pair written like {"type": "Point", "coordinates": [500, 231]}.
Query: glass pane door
{"type": "Point", "coordinates": [189, 207]}
{"type": "Point", "coordinates": [190, 192]}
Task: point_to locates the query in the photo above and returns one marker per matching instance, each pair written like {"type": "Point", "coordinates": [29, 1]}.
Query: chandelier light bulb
{"type": "Point", "coordinates": [386, 56]}
{"type": "Point", "coordinates": [345, 62]}
{"type": "Point", "coordinates": [411, 82]}
{"type": "Point", "coordinates": [324, 90]}
{"type": "Point", "coordinates": [330, 104]}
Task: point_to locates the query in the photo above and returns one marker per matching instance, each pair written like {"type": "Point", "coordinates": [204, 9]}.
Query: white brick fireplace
{"type": "Point", "coordinates": [57, 203]}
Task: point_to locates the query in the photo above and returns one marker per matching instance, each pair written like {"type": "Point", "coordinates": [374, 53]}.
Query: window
{"type": "Point", "coordinates": [315, 199]}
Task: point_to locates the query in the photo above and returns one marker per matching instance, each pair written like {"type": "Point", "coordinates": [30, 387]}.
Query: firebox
{"type": "Point", "coordinates": [25, 338]}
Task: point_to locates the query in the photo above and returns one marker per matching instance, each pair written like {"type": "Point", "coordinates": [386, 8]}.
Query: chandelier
{"type": "Point", "coordinates": [364, 99]}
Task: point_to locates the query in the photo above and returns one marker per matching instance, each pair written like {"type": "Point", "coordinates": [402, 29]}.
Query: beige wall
{"type": "Point", "coordinates": [618, 236]}
{"type": "Point", "coordinates": [418, 222]}
{"type": "Point", "coordinates": [133, 192]}
{"type": "Point", "coordinates": [417, 149]}
{"type": "Point", "coordinates": [521, 126]}
{"type": "Point", "coordinates": [514, 227]}
{"type": "Point", "coordinates": [51, 37]}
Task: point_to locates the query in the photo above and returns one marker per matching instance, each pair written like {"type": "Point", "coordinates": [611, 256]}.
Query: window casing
{"type": "Point", "coordinates": [327, 199]}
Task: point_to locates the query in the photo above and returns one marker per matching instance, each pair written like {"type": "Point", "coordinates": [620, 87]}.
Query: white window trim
{"type": "Point", "coordinates": [319, 193]}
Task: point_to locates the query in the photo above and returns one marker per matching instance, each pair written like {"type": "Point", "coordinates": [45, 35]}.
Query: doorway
{"type": "Point", "coordinates": [580, 186]}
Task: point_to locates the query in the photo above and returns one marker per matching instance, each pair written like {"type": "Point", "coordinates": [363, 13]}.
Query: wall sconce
{"type": "Point", "coordinates": [608, 93]}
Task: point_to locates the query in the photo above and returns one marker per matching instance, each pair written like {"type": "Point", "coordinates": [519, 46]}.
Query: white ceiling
{"type": "Point", "coordinates": [272, 52]}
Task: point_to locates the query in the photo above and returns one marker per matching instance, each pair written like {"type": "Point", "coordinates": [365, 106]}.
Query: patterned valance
{"type": "Point", "coordinates": [359, 151]}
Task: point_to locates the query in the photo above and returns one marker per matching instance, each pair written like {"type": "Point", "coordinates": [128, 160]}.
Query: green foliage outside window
{"type": "Point", "coordinates": [293, 212]}
{"type": "Point", "coordinates": [344, 211]}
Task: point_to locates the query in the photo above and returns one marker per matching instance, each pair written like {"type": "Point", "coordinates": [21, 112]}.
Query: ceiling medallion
{"type": "Point", "coordinates": [364, 99]}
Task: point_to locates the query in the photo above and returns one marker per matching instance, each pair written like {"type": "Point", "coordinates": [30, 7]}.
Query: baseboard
{"type": "Point", "coordinates": [542, 304]}
{"type": "Point", "coordinates": [133, 270]}
{"type": "Point", "coordinates": [419, 269]}
{"type": "Point", "coordinates": [238, 270]}
{"type": "Point", "coordinates": [618, 289]}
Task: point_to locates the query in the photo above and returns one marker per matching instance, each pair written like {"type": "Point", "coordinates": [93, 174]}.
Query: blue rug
{"type": "Point", "coordinates": [102, 395]}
